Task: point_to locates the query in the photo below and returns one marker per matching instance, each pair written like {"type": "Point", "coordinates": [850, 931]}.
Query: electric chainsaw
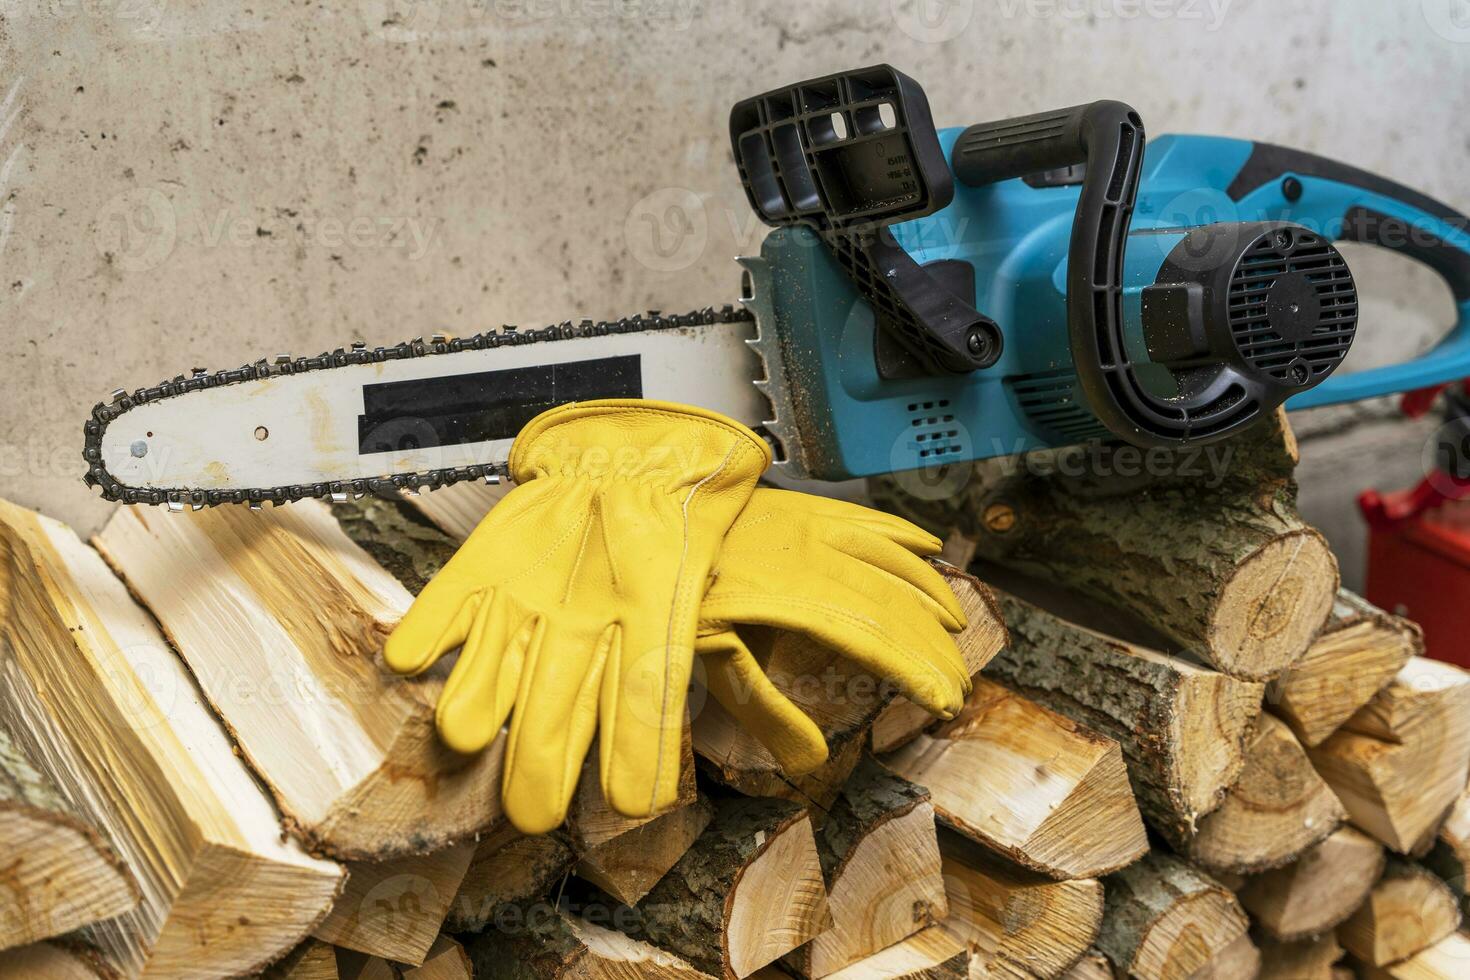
{"type": "Point", "coordinates": [925, 298]}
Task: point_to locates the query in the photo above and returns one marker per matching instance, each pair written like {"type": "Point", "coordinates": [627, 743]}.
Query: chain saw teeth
{"type": "Point", "coordinates": [181, 498]}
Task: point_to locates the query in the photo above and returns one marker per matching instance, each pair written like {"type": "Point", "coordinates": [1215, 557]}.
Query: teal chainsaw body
{"type": "Point", "coordinates": [1164, 295]}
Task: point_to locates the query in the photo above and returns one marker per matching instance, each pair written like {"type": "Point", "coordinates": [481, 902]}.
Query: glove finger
{"type": "Point", "coordinates": [477, 697]}
{"type": "Point", "coordinates": [437, 622]}
{"type": "Point", "coordinates": [644, 693]}
{"type": "Point", "coordinates": [907, 570]}
{"type": "Point", "coordinates": [553, 725]}
{"type": "Point", "coordinates": [904, 533]}
{"type": "Point", "coordinates": [736, 681]}
{"type": "Point", "coordinates": [861, 619]}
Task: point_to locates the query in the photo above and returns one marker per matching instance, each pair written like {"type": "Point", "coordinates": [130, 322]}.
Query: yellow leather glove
{"type": "Point", "coordinates": [850, 578]}
{"type": "Point", "coordinates": [576, 601]}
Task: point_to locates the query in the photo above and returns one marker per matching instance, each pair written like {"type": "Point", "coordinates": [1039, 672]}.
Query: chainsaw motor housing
{"type": "Point", "coordinates": [1165, 295]}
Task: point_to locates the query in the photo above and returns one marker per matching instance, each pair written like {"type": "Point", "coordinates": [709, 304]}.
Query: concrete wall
{"type": "Point", "coordinates": [204, 183]}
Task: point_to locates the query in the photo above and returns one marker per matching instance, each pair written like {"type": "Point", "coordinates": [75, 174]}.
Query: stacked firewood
{"type": "Point", "coordinates": [1187, 753]}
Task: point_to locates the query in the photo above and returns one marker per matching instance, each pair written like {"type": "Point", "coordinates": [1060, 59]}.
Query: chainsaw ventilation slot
{"type": "Point", "coordinates": [1052, 402]}
{"type": "Point", "coordinates": [937, 433]}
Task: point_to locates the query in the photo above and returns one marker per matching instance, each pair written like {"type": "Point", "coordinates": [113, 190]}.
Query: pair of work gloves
{"type": "Point", "coordinates": [636, 540]}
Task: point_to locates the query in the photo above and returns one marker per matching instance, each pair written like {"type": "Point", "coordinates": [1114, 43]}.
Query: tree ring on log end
{"type": "Point", "coordinates": [1273, 605]}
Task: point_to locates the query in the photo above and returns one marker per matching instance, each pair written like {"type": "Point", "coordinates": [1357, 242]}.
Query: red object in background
{"type": "Point", "coordinates": [1420, 568]}
{"type": "Point", "coordinates": [1419, 549]}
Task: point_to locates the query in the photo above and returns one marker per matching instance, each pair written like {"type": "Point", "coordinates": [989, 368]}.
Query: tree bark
{"type": "Point", "coordinates": [880, 861]}
{"type": "Point", "coordinates": [1220, 562]}
{"type": "Point", "coordinates": [550, 945]}
{"type": "Point", "coordinates": [748, 892]}
{"type": "Point", "coordinates": [1163, 918]}
{"type": "Point", "coordinates": [1182, 728]}
{"type": "Point", "coordinates": [508, 867]}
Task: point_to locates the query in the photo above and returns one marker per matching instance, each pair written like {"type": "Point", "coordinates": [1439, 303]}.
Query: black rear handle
{"type": "Point", "coordinates": [1026, 145]}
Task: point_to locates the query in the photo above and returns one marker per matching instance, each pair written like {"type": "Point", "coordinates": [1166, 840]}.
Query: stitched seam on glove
{"type": "Point", "coordinates": [680, 601]}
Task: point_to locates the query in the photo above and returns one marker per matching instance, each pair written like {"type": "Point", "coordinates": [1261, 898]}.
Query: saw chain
{"type": "Point", "coordinates": [283, 364]}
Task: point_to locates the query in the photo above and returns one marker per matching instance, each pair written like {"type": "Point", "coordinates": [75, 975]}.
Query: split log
{"type": "Point", "coordinates": [880, 861]}
{"type": "Point", "coordinates": [1277, 809]}
{"type": "Point", "coordinates": [1445, 960]}
{"type": "Point", "coordinates": [1317, 891]}
{"type": "Point", "coordinates": [508, 867]}
{"type": "Point", "coordinates": [931, 954]}
{"type": "Point", "coordinates": [1163, 918]}
{"type": "Point", "coordinates": [1023, 924]}
{"type": "Point", "coordinates": [900, 720]}
{"type": "Point", "coordinates": [394, 909]}
{"type": "Point", "coordinates": [1044, 791]}
{"type": "Point", "coordinates": [591, 820]}
{"type": "Point", "coordinates": [94, 696]}
{"type": "Point", "coordinates": [1240, 959]}
{"type": "Point", "coordinates": [1093, 965]}
{"type": "Point", "coordinates": [447, 960]}
{"type": "Point", "coordinates": [459, 508]}
{"type": "Point", "coordinates": [1303, 959]}
{"type": "Point", "coordinates": [56, 872]}
{"type": "Point", "coordinates": [48, 961]}
{"type": "Point", "coordinates": [730, 755]}
{"type": "Point", "coordinates": [628, 866]}
{"type": "Point", "coordinates": [312, 960]}
{"type": "Point", "coordinates": [545, 944]}
{"type": "Point", "coordinates": [1183, 728]}
{"type": "Point", "coordinates": [1450, 856]}
{"type": "Point", "coordinates": [352, 965]}
{"type": "Point", "coordinates": [1359, 651]}
{"type": "Point", "coordinates": [1408, 910]}
{"type": "Point", "coordinates": [1401, 760]}
{"type": "Point", "coordinates": [1237, 578]}
{"type": "Point", "coordinates": [844, 700]}
{"type": "Point", "coordinates": [1418, 694]}
{"type": "Point", "coordinates": [748, 892]}
{"type": "Point", "coordinates": [282, 617]}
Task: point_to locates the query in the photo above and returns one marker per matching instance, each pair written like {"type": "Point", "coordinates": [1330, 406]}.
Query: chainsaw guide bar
{"type": "Point", "coordinates": [491, 470]}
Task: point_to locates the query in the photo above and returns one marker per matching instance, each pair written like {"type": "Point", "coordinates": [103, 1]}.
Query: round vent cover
{"type": "Point", "coordinates": [1293, 307]}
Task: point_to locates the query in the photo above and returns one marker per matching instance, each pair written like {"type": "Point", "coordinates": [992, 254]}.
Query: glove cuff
{"type": "Point", "coordinates": [636, 439]}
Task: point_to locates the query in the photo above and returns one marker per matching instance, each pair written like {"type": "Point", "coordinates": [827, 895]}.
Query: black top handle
{"type": "Point", "coordinates": [1108, 138]}
{"type": "Point", "coordinates": [848, 155]}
